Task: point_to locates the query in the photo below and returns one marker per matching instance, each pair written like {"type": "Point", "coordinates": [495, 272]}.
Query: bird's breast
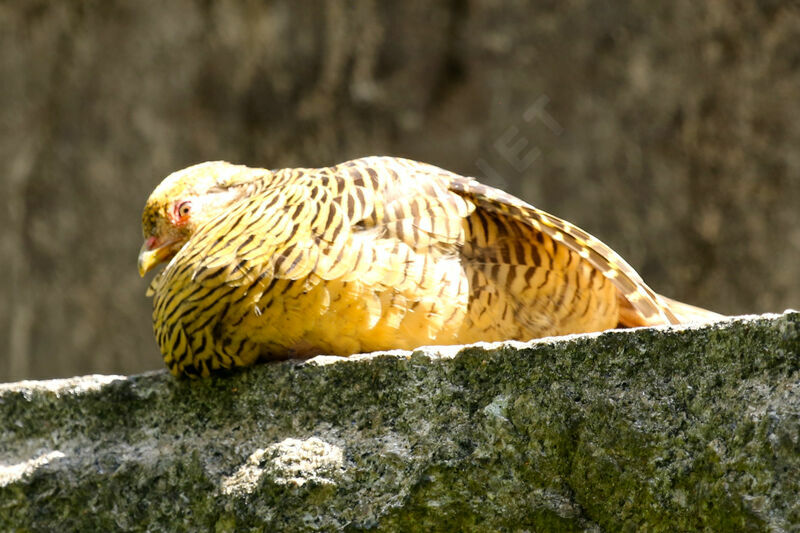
{"type": "Point", "coordinates": [344, 316]}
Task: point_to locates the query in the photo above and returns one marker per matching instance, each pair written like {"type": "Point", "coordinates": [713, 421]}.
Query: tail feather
{"type": "Point", "coordinates": [629, 316]}
{"type": "Point", "coordinates": [690, 313]}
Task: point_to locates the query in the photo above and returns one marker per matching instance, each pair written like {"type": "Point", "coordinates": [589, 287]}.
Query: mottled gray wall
{"type": "Point", "coordinates": [669, 129]}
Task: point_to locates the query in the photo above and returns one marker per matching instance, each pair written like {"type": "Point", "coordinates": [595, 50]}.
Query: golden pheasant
{"type": "Point", "coordinates": [372, 254]}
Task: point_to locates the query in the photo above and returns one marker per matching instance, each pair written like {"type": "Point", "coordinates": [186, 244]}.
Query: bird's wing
{"type": "Point", "coordinates": [399, 214]}
{"type": "Point", "coordinates": [410, 201]}
{"type": "Point", "coordinates": [643, 299]}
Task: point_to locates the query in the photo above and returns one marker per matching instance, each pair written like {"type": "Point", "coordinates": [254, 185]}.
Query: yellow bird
{"type": "Point", "coordinates": [371, 254]}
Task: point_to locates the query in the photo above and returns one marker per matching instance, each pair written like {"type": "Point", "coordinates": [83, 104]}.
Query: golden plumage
{"type": "Point", "coordinates": [372, 254]}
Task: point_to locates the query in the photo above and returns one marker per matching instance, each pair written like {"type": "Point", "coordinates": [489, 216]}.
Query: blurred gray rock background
{"type": "Point", "coordinates": [669, 129]}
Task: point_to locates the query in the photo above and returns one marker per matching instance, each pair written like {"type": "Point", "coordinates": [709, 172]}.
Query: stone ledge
{"type": "Point", "coordinates": [658, 429]}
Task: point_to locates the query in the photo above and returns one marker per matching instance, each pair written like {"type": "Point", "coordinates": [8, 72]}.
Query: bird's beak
{"type": "Point", "coordinates": [152, 254]}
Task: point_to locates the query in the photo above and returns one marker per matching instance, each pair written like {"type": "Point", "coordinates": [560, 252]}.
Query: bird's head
{"type": "Point", "coordinates": [184, 201]}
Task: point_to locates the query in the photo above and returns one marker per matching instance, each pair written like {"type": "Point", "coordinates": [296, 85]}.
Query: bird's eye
{"type": "Point", "coordinates": [183, 209]}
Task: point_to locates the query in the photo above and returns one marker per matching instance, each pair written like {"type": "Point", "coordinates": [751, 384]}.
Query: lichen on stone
{"type": "Point", "coordinates": [657, 429]}
{"type": "Point", "coordinates": [291, 461]}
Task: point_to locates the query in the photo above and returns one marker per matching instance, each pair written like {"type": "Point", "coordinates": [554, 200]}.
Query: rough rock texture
{"type": "Point", "coordinates": [642, 430]}
{"type": "Point", "coordinates": [668, 128]}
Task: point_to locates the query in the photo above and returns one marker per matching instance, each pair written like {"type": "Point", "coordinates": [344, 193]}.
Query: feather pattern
{"type": "Point", "coordinates": [374, 253]}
